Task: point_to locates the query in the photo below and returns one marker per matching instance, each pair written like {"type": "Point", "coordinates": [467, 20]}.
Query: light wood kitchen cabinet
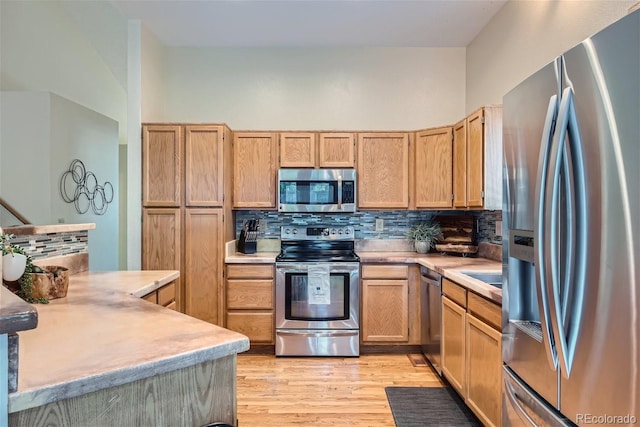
{"type": "Point", "coordinates": [453, 344]}
{"type": "Point", "coordinates": [164, 296]}
{"type": "Point", "coordinates": [383, 170]}
{"type": "Point", "coordinates": [484, 370]}
{"type": "Point", "coordinates": [433, 157]}
{"type": "Point", "coordinates": [161, 242]}
{"type": "Point", "coordinates": [297, 150]}
{"type": "Point", "coordinates": [203, 263]}
{"type": "Point", "coordinates": [255, 167]}
{"type": "Point", "coordinates": [204, 166]}
{"type": "Point", "coordinates": [162, 165]}
{"type": "Point", "coordinates": [189, 232]}
{"type": "Point", "coordinates": [471, 350]}
{"type": "Point", "coordinates": [477, 160]}
{"type": "Point", "coordinates": [336, 150]}
{"type": "Point", "coordinates": [249, 293]}
{"type": "Point", "coordinates": [460, 164]}
{"type": "Point", "coordinates": [390, 304]}
{"type": "Point", "coordinates": [311, 150]}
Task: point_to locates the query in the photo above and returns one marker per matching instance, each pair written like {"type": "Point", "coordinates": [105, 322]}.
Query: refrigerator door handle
{"type": "Point", "coordinates": [542, 244]}
{"type": "Point", "coordinates": [567, 301]}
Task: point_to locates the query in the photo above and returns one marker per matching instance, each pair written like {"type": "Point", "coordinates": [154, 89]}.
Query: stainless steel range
{"type": "Point", "coordinates": [317, 292]}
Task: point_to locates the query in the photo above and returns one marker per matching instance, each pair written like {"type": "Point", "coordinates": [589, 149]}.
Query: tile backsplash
{"type": "Point", "coordinates": [364, 222]}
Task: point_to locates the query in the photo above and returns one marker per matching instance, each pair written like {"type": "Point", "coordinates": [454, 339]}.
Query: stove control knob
{"type": "Point", "coordinates": [347, 231]}
{"type": "Point", "coordinates": [287, 231]}
{"type": "Point", "coordinates": [340, 231]}
{"type": "Point", "coordinates": [295, 231]}
{"type": "Point", "coordinates": [333, 231]}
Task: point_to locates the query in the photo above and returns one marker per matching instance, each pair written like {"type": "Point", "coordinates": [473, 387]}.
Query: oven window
{"type": "Point", "coordinates": [301, 304]}
{"type": "Point", "coordinates": [308, 192]}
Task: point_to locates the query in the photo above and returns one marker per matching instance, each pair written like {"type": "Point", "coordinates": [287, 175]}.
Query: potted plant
{"type": "Point", "coordinates": [17, 267]}
{"type": "Point", "coordinates": [423, 235]}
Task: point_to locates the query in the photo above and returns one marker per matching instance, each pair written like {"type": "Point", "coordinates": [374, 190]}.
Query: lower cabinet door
{"type": "Point", "coordinates": [453, 344]}
{"type": "Point", "coordinates": [258, 327]}
{"type": "Point", "coordinates": [484, 371]}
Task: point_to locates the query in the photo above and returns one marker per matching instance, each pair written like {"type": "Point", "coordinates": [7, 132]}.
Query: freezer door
{"type": "Point", "coordinates": [522, 407]}
{"type": "Point", "coordinates": [528, 121]}
{"type": "Point", "coordinates": [599, 308]}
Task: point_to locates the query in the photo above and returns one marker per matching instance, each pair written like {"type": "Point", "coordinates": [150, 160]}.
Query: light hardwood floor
{"type": "Point", "coordinates": [317, 391]}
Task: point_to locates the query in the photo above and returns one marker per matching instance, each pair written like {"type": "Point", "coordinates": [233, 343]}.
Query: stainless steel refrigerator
{"type": "Point", "coordinates": [571, 221]}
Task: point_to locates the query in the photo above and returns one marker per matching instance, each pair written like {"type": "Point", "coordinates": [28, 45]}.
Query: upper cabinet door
{"type": "Point", "coordinates": [297, 150]}
{"type": "Point", "coordinates": [460, 164]}
{"type": "Point", "coordinates": [204, 178]}
{"type": "Point", "coordinates": [255, 166]}
{"type": "Point", "coordinates": [383, 170]}
{"type": "Point", "coordinates": [475, 159]}
{"type": "Point", "coordinates": [434, 168]}
{"type": "Point", "coordinates": [162, 165]}
{"type": "Point", "coordinates": [336, 150]}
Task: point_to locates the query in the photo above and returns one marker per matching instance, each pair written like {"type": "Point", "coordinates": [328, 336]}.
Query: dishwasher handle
{"type": "Point", "coordinates": [430, 281]}
{"type": "Point", "coordinates": [430, 277]}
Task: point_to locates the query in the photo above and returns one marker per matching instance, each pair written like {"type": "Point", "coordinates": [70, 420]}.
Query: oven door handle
{"type": "Point", "coordinates": [306, 333]}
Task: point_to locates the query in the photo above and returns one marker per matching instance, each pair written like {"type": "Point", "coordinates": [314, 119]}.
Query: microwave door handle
{"type": "Point", "coordinates": [339, 192]}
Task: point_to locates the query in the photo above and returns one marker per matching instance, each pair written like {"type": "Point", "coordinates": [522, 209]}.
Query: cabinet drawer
{"type": "Point", "coordinates": [172, 306]}
{"type": "Point", "coordinates": [249, 294]}
{"type": "Point", "coordinates": [167, 294]}
{"type": "Point", "coordinates": [385, 271]}
{"type": "Point", "coordinates": [253, 271]}
{"type": "Point", "coordinates": [485, 310]}
{"type": "Point", "coordinates": [257, 326]}
{"type": "Point", "coordinates": [151, 297]}
{"type": "Point", "coordinates": [455, 292]}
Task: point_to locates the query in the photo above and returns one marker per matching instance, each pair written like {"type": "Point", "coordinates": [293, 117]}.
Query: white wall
{"type": "Point", "coordinates": [321, 88]}
{"type": "Point", "coordinates": [524, 36]}
{"type": "Point", "coordinates": [41, 133]}
{"type": "Point", "coordinates": [43, 48]}
{"type": "Point", "coordinates": [77, 50]}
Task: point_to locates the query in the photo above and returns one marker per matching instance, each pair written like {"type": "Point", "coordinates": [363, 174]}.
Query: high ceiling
{"type": "Point", "coordinates": [312, 23]}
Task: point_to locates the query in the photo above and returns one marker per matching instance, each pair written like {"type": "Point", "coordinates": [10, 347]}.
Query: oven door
{"type": "Point", "coordinates": [317, 295]}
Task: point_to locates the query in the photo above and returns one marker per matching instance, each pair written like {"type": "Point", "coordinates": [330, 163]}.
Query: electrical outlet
{"type": "Point", "coordinates": [498, 228]}
{"type": "Point", "coordinates": [379, 224]}
{"type": "Point", "coordinates": [262, 225]}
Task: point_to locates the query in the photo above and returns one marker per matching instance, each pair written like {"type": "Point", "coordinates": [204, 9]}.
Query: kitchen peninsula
{"type": "Point", "coordinates": [104, 356]}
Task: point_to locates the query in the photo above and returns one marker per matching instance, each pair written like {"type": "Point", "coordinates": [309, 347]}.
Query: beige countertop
{"type": "Point", "coordinates": [21, 230]}
{"type": "Point", "coordinates": [267, 253]}
{"type": "Point", "coordinates": [102, 335]}
{"type": "Point", "coordinates": [449, 266]}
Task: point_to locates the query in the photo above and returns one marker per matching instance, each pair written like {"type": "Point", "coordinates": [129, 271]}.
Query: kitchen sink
{"type": "Point", "coordinates": [493, 279]}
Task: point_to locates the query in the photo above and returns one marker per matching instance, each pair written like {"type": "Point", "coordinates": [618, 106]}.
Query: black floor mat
{"type": "Point", "coordinates": [429, 406]}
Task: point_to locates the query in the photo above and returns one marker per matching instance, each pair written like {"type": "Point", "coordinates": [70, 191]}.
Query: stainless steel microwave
{"type": "Point", "coordinates": [317, 190]}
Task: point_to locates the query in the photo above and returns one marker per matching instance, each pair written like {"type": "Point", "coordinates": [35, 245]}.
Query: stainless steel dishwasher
{"type": "Point", "coordinates": [431, 315]}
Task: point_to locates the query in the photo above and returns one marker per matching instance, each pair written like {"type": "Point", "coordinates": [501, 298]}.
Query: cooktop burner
{"type": "Point", "coordinates": [317, 244]}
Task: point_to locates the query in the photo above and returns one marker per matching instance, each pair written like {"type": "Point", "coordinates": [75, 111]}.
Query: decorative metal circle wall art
{"type": "Point", "coordinates": [80, 187]}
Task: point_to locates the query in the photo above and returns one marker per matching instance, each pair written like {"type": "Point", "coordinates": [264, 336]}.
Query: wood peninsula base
{"type": "Point", "coordinates": [192, 396]}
